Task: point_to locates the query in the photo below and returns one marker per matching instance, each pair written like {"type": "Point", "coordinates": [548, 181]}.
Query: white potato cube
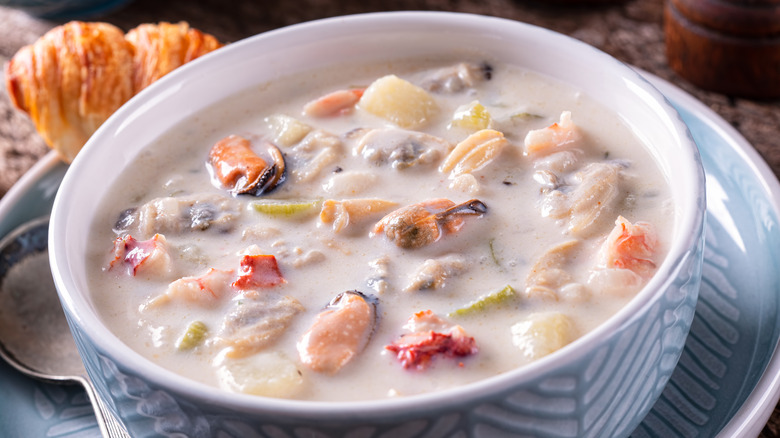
{"type": "Point", "coordinates": [543, 333]}
{"type": "Point", "coordinates": [399, 101]}
{"type": "Point", "coordinates": [287, 130]}
{"type": "Point", "coordinates": [265, 374]}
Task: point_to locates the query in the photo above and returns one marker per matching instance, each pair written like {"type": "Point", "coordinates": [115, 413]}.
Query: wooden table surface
{"type": "Point", "coordinates": [631, 31]}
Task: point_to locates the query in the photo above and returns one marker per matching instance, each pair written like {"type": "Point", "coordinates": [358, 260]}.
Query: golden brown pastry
{"type": "Point", "coordinates": [76, 75]}
{"type": "Point", "coordinates": [160, 48]}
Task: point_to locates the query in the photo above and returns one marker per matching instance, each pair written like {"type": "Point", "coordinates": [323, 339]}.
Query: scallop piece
{"type": "Point", "coordinates": [236, 167]}
{"type": "Point", "coordinates": [257, 321]}
{"type": "Point", "coordinates": [339, 333]}
{"type": "Point", "coordinates": [400, 148]}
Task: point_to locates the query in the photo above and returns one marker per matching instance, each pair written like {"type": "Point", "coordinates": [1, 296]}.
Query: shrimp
{"type": "Point", "coordinates": [147, 256]}
{"type": "Point", "coordinates": [431, 336]}
{"type": "Point", "coordinates": [258, 271]}
{"type": "Point", "coordinates": [335, 103]}
{"type": "Point", "coordinates": [553, 138]}
{"type": "Point", "coordinates": [237, 168]}
{"type": "Point", "coordinates": [203, 291]}
{"type": "Point", "coordinates": [417, 225]}
{"type": "Point", "coordinates": [630, 246]}
{"type": "Point", "coordinates": [339, 332]}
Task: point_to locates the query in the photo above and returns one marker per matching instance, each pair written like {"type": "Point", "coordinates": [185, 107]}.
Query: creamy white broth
{"type": "Point", "coordinates": [499, 248]}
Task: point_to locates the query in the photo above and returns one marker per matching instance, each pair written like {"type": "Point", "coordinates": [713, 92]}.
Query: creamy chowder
{"type": "Point", "coordinates": [378, 231]}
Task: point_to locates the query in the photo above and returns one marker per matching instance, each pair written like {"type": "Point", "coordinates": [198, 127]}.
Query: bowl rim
{"type": "Point", "coordinates": [78, 309]}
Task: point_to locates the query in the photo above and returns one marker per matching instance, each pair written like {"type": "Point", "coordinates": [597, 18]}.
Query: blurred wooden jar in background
{"type": "Point", "coordinates": [727, 46]}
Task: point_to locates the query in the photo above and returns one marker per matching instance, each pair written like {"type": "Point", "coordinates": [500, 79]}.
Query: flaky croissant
{"type": "Point", "coordinates": [76, 75]}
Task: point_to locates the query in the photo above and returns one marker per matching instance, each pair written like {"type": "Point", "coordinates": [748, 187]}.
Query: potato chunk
{"type": "Point", "coordinates": [287, 130]}
{"type": "Point", "coordinates": [265, 374]}
{"type": "Point", "coordinates": [543, 333]}
{"type": "Point", "coordinates": [399, 101]}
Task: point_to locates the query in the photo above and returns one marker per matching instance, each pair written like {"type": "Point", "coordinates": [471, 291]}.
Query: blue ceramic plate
{"type": "Point", "coordinates": [728, 379]}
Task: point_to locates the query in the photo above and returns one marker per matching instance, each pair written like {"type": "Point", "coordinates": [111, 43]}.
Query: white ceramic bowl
{"type": "Point", "coordinates": [601, 385]}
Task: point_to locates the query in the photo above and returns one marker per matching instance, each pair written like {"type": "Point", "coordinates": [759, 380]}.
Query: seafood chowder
{"type": "Point", "coordinates": [432, 222]}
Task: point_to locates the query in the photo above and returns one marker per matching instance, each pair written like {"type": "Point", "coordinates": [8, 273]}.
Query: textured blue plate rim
{"type": "Point", "coordinates": [751, 417]}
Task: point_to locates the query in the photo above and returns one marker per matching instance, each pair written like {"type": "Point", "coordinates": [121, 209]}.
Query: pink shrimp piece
{"type": "Point", "coordinates": [258, 271]}
{"type": "Point", "coordinates": [204, 290]}
{"type": "Point", "coordinates": [335, 103]}
{"type": "Point", "coordinates": [147, 256]}
{"type": "Point", "coordinates": [556, 137]}
{"type": "Point", "coordinates": [417, 349]}
{"type": "Point", "coordinates": [630, 246]}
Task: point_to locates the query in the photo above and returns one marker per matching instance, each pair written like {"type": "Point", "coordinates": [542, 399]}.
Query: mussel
{"type": "Point", "coordinates": [340, 332]}
{"type": "Point", "coordinates": [240, 170]}
{"type": "Point", "coordinates": [420, 224]}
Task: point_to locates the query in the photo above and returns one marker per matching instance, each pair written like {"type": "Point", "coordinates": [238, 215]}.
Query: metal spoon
{"type": "Point", "coordinates": [34, 334]}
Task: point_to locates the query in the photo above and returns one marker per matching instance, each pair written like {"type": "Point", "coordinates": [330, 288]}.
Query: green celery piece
{"type": "Point", "coordinates": [474, 117]}
{"type": "Point", "coordinates": [194, 335]}
{"type": "Point", "coordinates": [486, 301]}
{"type": "Point", "coordinates": [493, 253]}
{"type": "Point", "coordinates": [525, 116]}
{"type": "Point", "coordinates": [284, 208]}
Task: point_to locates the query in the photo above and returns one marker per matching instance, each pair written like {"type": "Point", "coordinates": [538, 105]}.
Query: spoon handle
{"type": "Point", "coordinates": [110, 427]}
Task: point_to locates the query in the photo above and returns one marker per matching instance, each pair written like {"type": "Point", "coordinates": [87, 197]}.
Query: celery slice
{"type": "Point", "coordinates": [473, 116]}
{"type": "Point", "coordinates": [524, 116]}
{"type": "Point", "coordinates": [284, 208]}
{"type": "Point", "coordinates": [193, 336]}
{"type": "Point", "coordinates": [486, 301]}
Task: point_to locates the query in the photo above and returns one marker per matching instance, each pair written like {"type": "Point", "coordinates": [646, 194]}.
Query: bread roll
{"type": "Point", "coordinates": [76, 75]}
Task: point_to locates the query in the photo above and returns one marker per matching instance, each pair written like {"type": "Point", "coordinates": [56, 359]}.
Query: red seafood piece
{"type": "Point", "coordinates": [416, 350]}
{"type": "Point", "coordinates": [630, 246]}
{"type": "Point", "coordinates": [335, 103]}
{"type": "Point", "coordinates": [145, 255]}
{"type": "Point", "coordinates": [258, 271]}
